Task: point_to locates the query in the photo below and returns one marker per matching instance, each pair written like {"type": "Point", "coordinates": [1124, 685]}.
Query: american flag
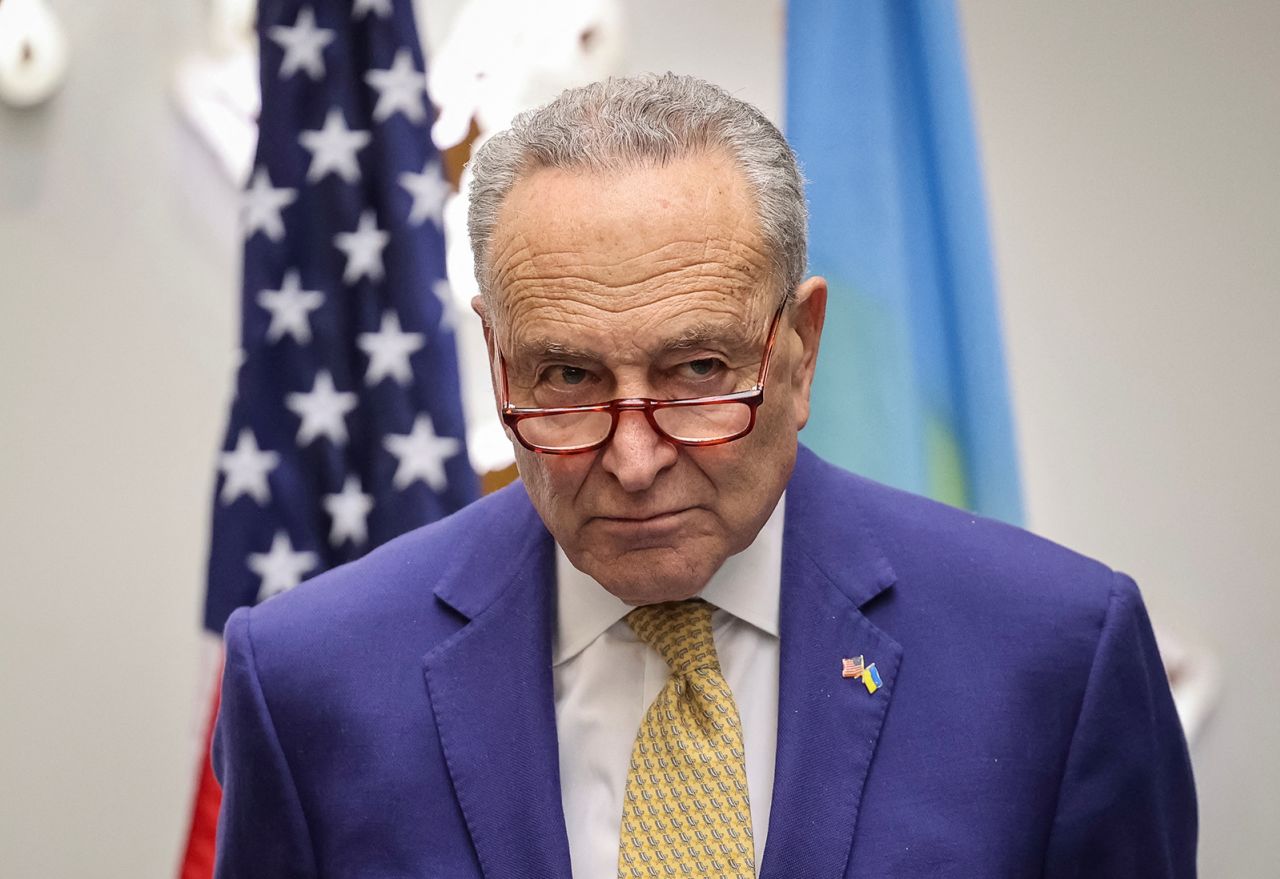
{"type": "Point", "coordinates": [851, 668]}
{"type": "Point", "coordinates": [346, 427]}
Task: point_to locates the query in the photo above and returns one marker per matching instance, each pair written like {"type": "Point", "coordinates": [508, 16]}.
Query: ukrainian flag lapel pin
{"type": "Point", "coordinates": [871, 678]}
{"type": "Point", "coordinates": [857, 667]}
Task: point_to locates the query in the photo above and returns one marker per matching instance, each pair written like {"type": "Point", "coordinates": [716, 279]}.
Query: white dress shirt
{"type": "Point", "coordinates": [605, 678]}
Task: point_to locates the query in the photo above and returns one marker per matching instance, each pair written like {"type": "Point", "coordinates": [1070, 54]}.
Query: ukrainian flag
{"type": "Point", "coordinates": [871, 678]}
{"type": "Point", "coordinates": [911, 387]}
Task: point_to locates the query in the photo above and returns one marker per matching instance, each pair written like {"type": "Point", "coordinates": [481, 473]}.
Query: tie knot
{"type": "Point", "coordinates": [680, 631]}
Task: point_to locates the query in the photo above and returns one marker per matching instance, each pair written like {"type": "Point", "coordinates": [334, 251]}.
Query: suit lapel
{"type": "Point", "coordinates": [492, 694]}
{"type": "Point", "coordinates": [828, 725]}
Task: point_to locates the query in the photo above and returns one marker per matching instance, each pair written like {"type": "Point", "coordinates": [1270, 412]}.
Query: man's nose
{"type": "Point", "coordinates": [637, 453]}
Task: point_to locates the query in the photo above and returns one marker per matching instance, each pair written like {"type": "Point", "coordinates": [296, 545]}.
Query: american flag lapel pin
{"type": "Point", "coordinates": [851, 668]}
{"type": "Point", "coordinates": [857, 667]}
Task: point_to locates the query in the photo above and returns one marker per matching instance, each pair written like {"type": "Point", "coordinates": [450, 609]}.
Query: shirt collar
{"type": "Point", "coordinates": [747, 585]}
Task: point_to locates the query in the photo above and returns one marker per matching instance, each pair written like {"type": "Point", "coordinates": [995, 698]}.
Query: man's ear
{"type": "Point", "coordinates": [481, 308]}
{"type": "Point", "coordinates": [808, 314]}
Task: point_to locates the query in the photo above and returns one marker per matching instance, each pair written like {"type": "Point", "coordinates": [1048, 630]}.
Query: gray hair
{"type": "Point", "coordinates": [622, 123]}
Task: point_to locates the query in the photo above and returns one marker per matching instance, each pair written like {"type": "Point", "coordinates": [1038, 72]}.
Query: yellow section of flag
{"type": "Point", "coordinates": [869, 680]}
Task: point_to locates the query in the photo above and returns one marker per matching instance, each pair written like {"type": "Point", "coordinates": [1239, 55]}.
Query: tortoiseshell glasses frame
{"type": "Point", "coordinates": [688, 422]}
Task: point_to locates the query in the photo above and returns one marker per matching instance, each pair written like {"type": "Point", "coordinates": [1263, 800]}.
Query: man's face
{"type": "Point", "coordinates": [649, 283]}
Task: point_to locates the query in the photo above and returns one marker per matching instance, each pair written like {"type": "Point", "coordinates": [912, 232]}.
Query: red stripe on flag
{"type": "Point", "coordinates": [197, 860]}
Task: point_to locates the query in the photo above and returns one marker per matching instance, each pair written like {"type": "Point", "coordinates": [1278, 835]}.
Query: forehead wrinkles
{"type": "Point", "coordinates": [690, 225]}
{"type": "Point", "coordinates": [715, 258]}
{"type": "Point", "coordinates": [677, 322]}
{"type": "Point", "coordinates": [603, 299]}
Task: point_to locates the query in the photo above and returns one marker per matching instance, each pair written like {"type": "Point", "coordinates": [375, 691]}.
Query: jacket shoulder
{"type": "Point", "coordinates": [389, 595]}
{"type": "Point", "coordinates": [956, 563]}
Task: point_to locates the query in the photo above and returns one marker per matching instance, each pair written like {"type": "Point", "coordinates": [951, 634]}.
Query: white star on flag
{"type": "Point", "coordinates": [389, 350]}
{"type": "Point", "coordinates": [290, 308]}
{"type": "Point", "coordinates": [363, 248]}
{"type": "Point", "coordinates": [379, 8]}
{"type": "Point", "coordinates": [245, 468]}
{"type": "Point", "coordinates": [401, 89]}
{"type": "Point", "coordinates": [448, 308]}
{"type": "Point", "coordinates": [323, 410]}
{"type": "Point", "coordinates": [261, 205]}
{"type": "Point", "coordinates": [429, 190]}
{"type": "Point", "coordinates": [421, 454]}
{"type": "Point", "coordinates": [333, 148]}
{"type": "Point", "coordinates": [350, 511]}
{"type": "Point", "coordinates": [303, 45]}
{"type": "Point", "coordinates": [280, 567]}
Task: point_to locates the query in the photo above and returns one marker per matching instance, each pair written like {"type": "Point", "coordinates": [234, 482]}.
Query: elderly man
{"type": "Point", "coordinates": [683, 645]}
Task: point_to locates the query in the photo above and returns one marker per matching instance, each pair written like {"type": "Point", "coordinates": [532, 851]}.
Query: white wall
{"type": "Point", "coordinates": [1134, 213]}
{"type": "Point", "coordinates": [1131, 160]}
{"type": "Point", "coordinates": [117, 325]}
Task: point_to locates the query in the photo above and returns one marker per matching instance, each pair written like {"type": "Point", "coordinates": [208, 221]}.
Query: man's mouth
{"type": "Point", "coordinates": [652, 524]}
{"type": "Point", "coordinates": [646, 517]}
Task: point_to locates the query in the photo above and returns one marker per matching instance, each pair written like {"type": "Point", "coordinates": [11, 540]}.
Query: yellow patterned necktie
{"type": "Point", "coordinates": [686, 810]}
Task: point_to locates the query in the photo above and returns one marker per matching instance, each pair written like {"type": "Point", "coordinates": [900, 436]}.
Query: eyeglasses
{"type": "Point", "coordinates": [696, 421]}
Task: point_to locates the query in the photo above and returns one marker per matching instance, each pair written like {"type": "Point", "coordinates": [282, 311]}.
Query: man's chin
{"type": "Point", "coordinates": [637, 597]}
{"type": "Point", "coordinates": [651, 575]}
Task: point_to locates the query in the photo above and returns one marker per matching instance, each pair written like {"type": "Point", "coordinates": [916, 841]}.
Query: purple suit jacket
{"type": "Point", "coordinates": [395, 717]}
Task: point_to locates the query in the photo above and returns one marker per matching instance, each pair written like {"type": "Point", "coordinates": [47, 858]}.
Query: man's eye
{"type": "Point", "coordinates": [702, 368]}
{"type": "Point", "coordinates": [570, 375]}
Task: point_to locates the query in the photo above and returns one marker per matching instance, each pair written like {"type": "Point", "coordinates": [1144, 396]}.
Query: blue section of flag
{"type": "Point", "coordinates": [911, 386]}
{"type": "Point", "coordinates": [346, 428]}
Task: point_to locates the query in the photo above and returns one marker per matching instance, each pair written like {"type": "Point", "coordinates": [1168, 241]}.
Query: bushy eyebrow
{"type": "Point", "coordinates": [541, 348]}
{"type": "Point", "coordinates": [704, 335]}
{"type": "Point", "coordinates": [731, 336]}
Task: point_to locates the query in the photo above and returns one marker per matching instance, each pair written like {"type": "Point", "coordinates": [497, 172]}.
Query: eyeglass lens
{"type": "Point", "coordinates": [682, 423]}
